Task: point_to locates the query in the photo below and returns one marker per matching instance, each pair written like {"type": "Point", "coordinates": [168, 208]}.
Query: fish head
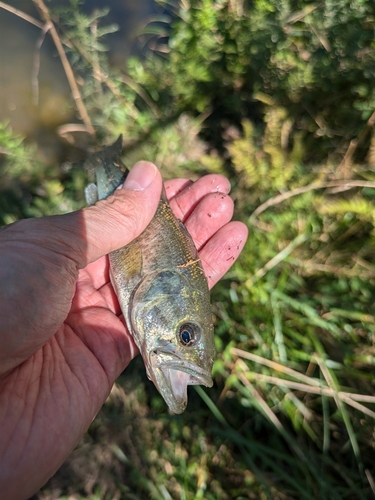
{"type": "Point", "coordinates": [172, 325]}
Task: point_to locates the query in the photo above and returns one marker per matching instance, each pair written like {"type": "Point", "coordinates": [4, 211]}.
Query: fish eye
{"type": "Point", "coordinates": [188, 334]}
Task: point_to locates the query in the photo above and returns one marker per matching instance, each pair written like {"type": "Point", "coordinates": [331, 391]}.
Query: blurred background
{"type": "Point", "coordinates": [280, 97]}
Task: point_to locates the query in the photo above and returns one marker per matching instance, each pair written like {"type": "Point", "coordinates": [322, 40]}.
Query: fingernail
{"type": "Point", "coordinates": [140, 176]}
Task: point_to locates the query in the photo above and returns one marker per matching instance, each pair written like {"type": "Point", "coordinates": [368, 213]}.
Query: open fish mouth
{"type": "Point", "coordinates": [177, 380]}
{"type": "Point", "coordinates": [172, 380]}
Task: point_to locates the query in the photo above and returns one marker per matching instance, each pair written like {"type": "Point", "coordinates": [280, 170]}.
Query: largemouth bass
{"type": "Point", "coordinates": [162, 291]}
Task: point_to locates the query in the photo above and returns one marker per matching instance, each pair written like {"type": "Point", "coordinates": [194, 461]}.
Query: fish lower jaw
{"type": "Point", "coordinates": [172, 383]}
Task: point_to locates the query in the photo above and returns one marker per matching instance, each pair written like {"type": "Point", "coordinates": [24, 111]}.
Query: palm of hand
{"type": "Point", "coordinates": [50, 399]}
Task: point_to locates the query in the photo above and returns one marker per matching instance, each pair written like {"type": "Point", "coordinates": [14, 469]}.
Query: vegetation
{"type": "Point", "coordinates": [279, 96]}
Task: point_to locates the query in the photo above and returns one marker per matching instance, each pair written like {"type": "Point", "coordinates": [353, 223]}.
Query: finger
{"type": "Point", "coordinates": [175, 186]}
{"type": "Point", "coordinates": [212, 212]}
{"type": "Point", "coordinates": [221, 251]}
{"type": "Point", "coordinates": [185, 201]}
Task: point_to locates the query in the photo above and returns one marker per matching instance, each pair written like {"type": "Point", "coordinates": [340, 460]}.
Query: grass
{"type": "Point", "coordinates": [291, 414]}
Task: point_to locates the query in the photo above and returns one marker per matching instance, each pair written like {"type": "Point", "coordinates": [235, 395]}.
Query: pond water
{"type": "Point", "coordinates": [35, 108]}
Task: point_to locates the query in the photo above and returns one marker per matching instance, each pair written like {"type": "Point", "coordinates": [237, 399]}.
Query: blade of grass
{"type": "Point", "coordinates": [275, 366]}
{"type": "Point", "coordinates": [211, 405]}
{"type": "Point", "coordinates": [333, 384]}
{"type": "Point", "coordinates": [326, 424]}
{"type": "Point", "coordinates": [354, 315]}
{"type": "Point", "coordinates": [358, 406]}
{"type": "Point", "coordinates": [370, 480]}
{"type": "Point", "coordinates": [322, 391]}
{"type": "Point", "coordinates": [302, 411]}
{"type": "Point", "coordinates": [279, 337]}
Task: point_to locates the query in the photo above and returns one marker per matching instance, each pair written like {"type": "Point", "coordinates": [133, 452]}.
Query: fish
{"type": "Point", "coordinates": [162, 291]}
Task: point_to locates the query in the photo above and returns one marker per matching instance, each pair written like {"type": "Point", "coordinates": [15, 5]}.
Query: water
{"type": "Point", "coordinates": [36, 107]}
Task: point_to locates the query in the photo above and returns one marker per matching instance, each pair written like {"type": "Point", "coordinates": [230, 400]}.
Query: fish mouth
{"type": "Point", "coordinates": [172, 376]}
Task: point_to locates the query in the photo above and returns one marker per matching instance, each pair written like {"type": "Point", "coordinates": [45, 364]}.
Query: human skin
{"type": "Point", "coordinates": [63, 340]}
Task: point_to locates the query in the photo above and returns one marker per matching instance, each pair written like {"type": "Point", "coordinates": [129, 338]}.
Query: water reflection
{"type": "Point", "coordinates": [18, 40]}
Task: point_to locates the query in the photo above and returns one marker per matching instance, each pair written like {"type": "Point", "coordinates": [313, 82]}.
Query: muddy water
{"type": "Point", "coordinates": [36, 107]}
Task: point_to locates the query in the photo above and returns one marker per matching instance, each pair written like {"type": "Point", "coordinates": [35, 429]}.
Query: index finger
{"type": "Point", "coordinates": [185, 200]}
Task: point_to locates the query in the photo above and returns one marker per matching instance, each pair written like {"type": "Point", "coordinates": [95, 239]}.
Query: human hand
{"type": "Point", "coordinates": [63, 341]}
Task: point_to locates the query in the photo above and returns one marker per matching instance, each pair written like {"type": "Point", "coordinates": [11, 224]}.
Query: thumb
{"type": "Point", "coordinates": [110, 224]}
{"type": "Point", "coordinates": [116, 221]}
